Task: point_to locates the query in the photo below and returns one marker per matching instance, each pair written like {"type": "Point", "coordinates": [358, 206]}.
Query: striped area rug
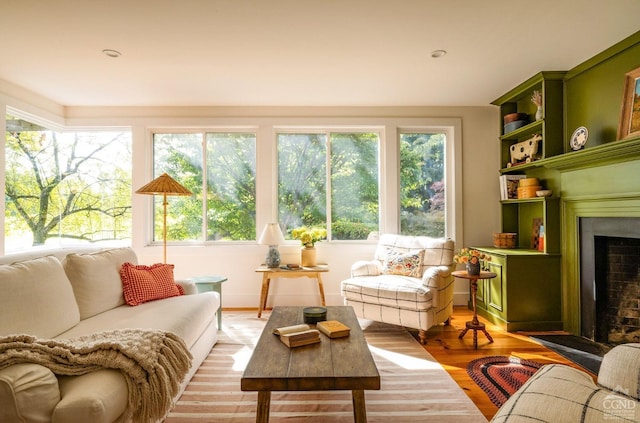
{"type": "Point", "coordinates": [414, 386]}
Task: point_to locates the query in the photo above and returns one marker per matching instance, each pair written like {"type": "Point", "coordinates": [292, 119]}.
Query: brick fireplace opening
{"type": "Point", "coordinates": [610, 280]}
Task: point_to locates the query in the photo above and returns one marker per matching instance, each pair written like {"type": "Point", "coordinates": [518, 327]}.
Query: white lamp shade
{"type": "Point", "coordinates": [271, 235]}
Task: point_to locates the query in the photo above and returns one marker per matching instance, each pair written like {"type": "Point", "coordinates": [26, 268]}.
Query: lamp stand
{"type": "Point", "coordinates": [164, 228]}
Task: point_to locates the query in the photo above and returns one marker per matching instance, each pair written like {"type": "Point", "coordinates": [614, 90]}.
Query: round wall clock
{"type": "Point", "coordinates": [579, 138]}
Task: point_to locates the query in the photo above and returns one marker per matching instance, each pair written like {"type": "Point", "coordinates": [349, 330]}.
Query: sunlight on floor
{"type": "Point", "coordinates": [405, 361]}
{"type": "Point", "coordinates": [241, 358]}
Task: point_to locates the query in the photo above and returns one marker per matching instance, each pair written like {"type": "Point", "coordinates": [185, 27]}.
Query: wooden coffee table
{"type": "Point", "coordinates": [333, 364]}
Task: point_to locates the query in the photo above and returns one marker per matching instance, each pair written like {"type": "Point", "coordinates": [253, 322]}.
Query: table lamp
{"type": "Point", "coordinates": [272, 236]}
{"type": "Point", "coordinates": [164, 185]}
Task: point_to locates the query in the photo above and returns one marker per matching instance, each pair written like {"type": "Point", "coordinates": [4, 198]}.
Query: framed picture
{"type": "Point", "coordinates": [630, 117]}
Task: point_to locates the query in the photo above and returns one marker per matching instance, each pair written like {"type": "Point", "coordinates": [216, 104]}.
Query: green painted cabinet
{"type": "Point", "coordinates": [525, 295]}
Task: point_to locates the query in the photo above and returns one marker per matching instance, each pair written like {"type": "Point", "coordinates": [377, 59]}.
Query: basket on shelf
{"type": "Point", "coordinates": [504, 240]}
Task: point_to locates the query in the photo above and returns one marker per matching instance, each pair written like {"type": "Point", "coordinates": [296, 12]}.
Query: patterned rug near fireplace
{"type": "Point", "coordinates": [414, 386]}
{"type": "Point", "coordinates": [500, 376]}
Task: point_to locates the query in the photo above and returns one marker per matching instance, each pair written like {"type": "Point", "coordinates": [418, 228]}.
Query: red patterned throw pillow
{"type": "Point", "coordinates": [147, 283]}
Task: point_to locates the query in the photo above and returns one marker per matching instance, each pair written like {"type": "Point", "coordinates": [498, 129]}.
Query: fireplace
{"type": "Point", "coordinates": [610, 279]}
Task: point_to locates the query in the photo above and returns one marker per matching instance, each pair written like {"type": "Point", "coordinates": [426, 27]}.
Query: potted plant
{"type": "Point", "coordinates": [308, 236]}
{"type": "Point", "coordinates": [472, 259]}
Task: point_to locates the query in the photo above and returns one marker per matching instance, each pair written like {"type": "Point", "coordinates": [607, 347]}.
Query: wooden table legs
{"type": "Point", "coordinates": [359, 406]}
{"type": "Point", "coordinates": [475, 324]}
{"type": "Point", "coordinates": [266, 282]}
{"type": "Point", "coordinates": [264, 403]}
{"type": "Point", "coordinates": [264, 293]}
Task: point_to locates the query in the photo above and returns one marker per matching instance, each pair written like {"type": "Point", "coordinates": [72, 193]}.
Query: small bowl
{"type": "Point", "coordinates": [544, 193]}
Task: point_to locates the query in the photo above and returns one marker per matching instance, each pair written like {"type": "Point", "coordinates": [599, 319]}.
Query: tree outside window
{"type": "Point", "coordinates": [353, 180]}
{"type": "Point", "coordinates": [64, 186]}
{"type": "Point", "coordinates": [422, 186]}
{"type": "Point", "coordinates": [222, 165]}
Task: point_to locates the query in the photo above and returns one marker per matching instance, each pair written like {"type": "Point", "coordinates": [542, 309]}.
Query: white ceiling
{"type": "Point", "coordinates": [298, 52]}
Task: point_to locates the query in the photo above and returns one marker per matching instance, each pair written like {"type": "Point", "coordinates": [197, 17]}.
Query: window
{"type": "Point", "coordinates": [220, 164]}
{"type": "Point", "coordinates": [352, 181]}
{"type": "Point", "coordinates": [64, 186]}
{"type": "Point", "coordinates": [422, 184]}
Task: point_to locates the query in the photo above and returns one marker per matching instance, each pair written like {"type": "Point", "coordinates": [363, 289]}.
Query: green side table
{"type": "Point", "coordinates": [211, 283]}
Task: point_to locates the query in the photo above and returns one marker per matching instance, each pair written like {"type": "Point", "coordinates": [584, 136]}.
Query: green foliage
{"type": "Point", "coordinates": [349, 230]}
{"type": "Point", "coordinates": [65, 185]}
{"type": "Point", "coordinates": [422, 188]}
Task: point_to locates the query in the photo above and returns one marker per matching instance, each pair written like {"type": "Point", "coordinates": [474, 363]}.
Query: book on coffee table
{"type": "Point", "coordinates": [333, 328]}
{"type": "Point", "coordinates": [297, 335]}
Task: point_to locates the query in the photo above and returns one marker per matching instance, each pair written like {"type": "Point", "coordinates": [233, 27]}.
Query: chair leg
{"type": "Point", "coordinates": [447, 322]}
{"type": "Point", "coordinates": [422, 336]}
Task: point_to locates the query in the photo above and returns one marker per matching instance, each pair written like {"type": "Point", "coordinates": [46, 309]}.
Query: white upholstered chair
{"type": "Point", "coordinates": [409, 283]}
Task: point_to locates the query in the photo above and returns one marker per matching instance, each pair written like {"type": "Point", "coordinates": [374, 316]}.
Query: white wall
{"type": "Point", "coordinates": [478, 198]}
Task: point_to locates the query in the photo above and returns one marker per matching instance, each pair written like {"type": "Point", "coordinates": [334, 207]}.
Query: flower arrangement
{"type": "Point", "coordinates": [466, 255]}
{"type": "Point", "coordinates": [309, 236]}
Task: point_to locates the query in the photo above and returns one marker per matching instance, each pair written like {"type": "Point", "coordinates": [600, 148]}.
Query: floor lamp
{"type": "Point", "coordinates": [164, 185]}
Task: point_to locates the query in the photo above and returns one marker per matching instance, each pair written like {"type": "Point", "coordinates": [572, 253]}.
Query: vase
{"type": "Point", "coordinates": [539, 113]}
{"type": "Point", "coordinates": [308, 256]}
{"type": "Point", "coordinates": [473, 268]}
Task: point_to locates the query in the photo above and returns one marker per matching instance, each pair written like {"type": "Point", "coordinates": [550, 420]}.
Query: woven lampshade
{"type": "Point", "coordinates": [163, 184]}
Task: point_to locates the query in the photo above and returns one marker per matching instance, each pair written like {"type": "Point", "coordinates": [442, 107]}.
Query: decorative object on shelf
{"type": "Point", "coordinates": [525, 151]}
{"type": "Point", "coordinates": [535, 232]}
{"type": "Point", "coordinates": [513, 121]}
{"type": "Point", "coordinates": [516, 124]}
{"type": "Point", "coordinates": [536, 98]}
{"type": "Point", "coordinates": [164, 185]}
{"type": "Point", "coordinates": [528, 187]}
{"type": "Point", "coordinates": [272, 236]}
{"type": "Point", "coordinates": [579, 138]}
{"type": "Point", "coordinates": [308, 237]}
{"type": "Point", "coordinates": [509, 186]}
{"type": "Point", "coordinates": [472, 259]}
{"type": "Point", "coordinates": [504, 240]}
{"type": "Point", "coordinates": [544, 193]}
{"type": "Point", "coordinates": [629, 125]}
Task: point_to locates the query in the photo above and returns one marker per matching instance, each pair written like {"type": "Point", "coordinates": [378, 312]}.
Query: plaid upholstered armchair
{"type": "Point", "coordinates": [409, 283]}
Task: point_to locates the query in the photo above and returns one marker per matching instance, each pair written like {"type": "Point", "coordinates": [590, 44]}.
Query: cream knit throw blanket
{"type": "Point", "coordinates": [154, 363]}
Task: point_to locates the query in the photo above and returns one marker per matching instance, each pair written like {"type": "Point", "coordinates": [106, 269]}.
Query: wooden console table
{"type": "Point", "coordinates": [275, 272]}
{"type": "Point", "coordinates": [474, 324]}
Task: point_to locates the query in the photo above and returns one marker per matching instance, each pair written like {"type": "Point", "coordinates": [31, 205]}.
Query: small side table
{"type": "Point", "coordinates": [276, 272]}
{"type": "Point", "coordinates": [211, 283]}
{"type": "Point", "coordinates": [474, 324]}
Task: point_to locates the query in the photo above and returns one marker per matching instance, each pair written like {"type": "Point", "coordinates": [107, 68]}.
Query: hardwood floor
{"type": "Point", "coordinates": [454, 354]}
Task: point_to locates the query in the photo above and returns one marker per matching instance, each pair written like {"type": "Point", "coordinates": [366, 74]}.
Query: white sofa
{"type": "Point", "coordinates": [559, 393]}
{"type": "Point", "coordinates": [65, 293]}
{"type": "Point", "coordinates": [408, 283]}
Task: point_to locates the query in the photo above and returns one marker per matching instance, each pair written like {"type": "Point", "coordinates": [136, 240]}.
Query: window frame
{"type": "Point", "coordinates": [149, 211]}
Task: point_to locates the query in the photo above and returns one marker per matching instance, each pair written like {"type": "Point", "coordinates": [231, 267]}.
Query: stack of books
{"type": "Point", "coordinates": [303, 334]}
{"type": "Point", "coordinates": [297, 335]}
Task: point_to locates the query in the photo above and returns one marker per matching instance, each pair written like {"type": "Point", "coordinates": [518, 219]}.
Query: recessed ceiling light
{"type": "Point", "coordinates": [436, 54]}
{"type": "Point", "coordinates": [112, 53]}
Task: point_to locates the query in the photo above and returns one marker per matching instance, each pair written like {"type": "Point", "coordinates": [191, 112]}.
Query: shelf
{"type": "Point", "coordinates": [528, 200]}
{"type": "Point", "coordinates": [609, 153]}
{"type": "Point", "coordinates": [514, 251]}
{"type": "Point", "coordinates": [526, 131]}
